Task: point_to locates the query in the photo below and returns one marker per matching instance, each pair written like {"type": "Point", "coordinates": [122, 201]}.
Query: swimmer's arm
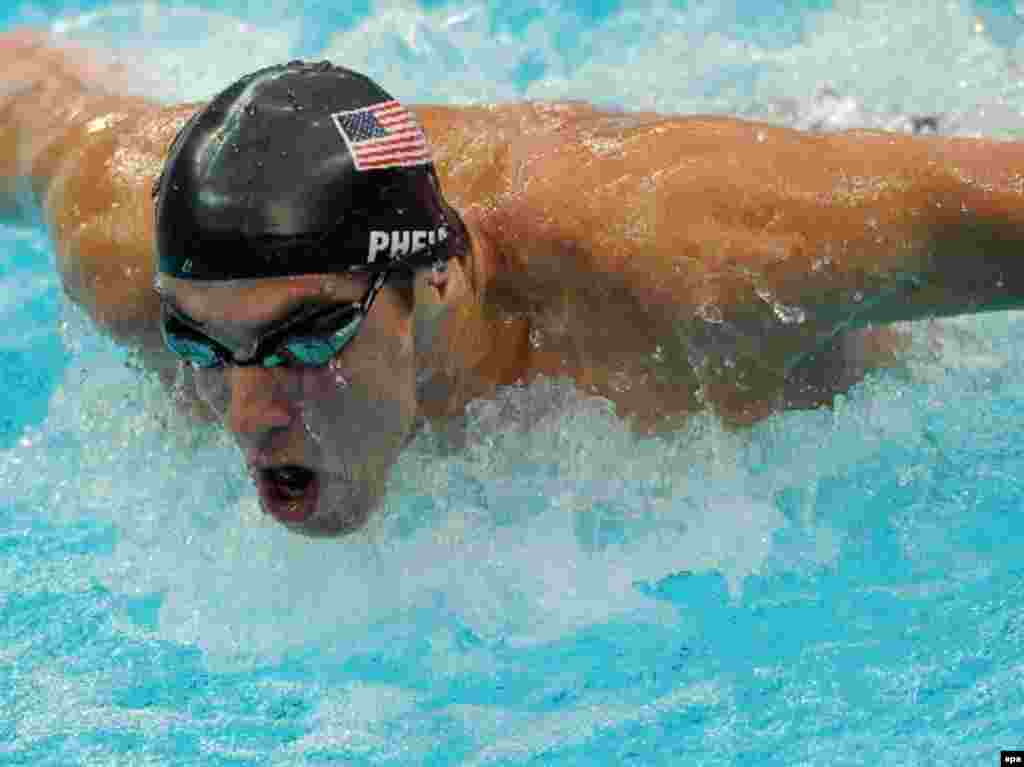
{"type": "Point", "coordinates": [84, 158]}
{"type": "Point", "coordinates": [773, 232]}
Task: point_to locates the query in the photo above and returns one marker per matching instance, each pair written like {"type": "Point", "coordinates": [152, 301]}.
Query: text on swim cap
{"type": "Point", "coordinates": [400, 243]}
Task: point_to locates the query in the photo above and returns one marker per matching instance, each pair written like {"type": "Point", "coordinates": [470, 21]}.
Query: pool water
{"type": "Point", "coordinates": [842, 587]}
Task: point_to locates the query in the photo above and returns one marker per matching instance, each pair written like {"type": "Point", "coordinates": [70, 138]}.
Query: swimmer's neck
{"type": "Point", "coordinates": [526, 311]}
{"type": "Point", "coordinates": [482, 342]}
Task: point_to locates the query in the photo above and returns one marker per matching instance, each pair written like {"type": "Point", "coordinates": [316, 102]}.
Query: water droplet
{"type": "Point", "coordinates": [315, 434]}
{"type": "Point", "coordinates": [789, 315]}
{"type": "Point", "coordinates": [710, 313]}
{"type": "Point", "coordinates": [536, 338]}
{"type": "Point", "coordinates": [621, 381]}
{"type": "Point", "coordinates": [298, 107]}
{"type": "Point", "coordinates": [284, 153]}
{"type": "Point", "coordinates": [858, 297]}
{"type": "Point", "coordinates": [786, 314]}
{"type": "Point", "coordinates": [760, 137]}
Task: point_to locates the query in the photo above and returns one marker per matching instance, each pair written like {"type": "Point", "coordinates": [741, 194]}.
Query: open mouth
{"type": "Point", "coordinates": [288, 493]}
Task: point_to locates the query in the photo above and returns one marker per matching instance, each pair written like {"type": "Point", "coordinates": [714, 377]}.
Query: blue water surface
{"type": "Point", "coordinates": [837, 587]}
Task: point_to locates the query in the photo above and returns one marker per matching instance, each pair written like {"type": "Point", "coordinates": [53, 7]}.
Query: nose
{"type": "Point", "coordinates": [256, 406]}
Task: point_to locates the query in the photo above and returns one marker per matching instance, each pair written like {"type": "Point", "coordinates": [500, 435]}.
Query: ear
{"type": "Point", "coordinates": [439, 296]}
{"type": "Point", "coordinates": [443, 284]}
{"type": "Point", "coordinates": [438, 275]}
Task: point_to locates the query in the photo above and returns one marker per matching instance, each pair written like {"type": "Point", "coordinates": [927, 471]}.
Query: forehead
{"type": "Point", "coordinates": [257, 301]}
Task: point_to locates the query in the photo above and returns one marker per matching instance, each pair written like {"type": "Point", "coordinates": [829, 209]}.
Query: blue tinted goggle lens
{"type": "Point", "coordinates": [318, 350]}
{"type": "Point", "coordinates": [190, 348]}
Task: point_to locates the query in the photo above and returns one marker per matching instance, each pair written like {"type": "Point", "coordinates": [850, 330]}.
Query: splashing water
{"type": "Point", "coordinates": [833, 585]}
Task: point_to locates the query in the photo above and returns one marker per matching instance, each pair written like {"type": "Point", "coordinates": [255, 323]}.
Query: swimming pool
{"type": "Point", "coordinates": [841, 586]}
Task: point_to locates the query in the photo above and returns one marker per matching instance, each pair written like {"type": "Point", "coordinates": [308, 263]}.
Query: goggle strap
{"type": "Point", "coordinates": [378, 283]}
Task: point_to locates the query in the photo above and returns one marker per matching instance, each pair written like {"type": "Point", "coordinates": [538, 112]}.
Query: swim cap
{"type": "Point", "coordinates": [300, 169]}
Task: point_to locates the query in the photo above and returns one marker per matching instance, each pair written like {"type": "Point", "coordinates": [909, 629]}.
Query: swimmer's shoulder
{"type": "Point", "coordinates": [485, 154]}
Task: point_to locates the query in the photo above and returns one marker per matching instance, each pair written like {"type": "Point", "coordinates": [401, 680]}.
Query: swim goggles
{"type": "Point", "coordinates": [310, 341]}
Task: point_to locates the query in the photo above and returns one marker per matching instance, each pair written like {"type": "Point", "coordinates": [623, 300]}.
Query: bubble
{"type": "Point", "coordinates": [621, 381]}
{"type": "Point", "coordinates": [711, 313]}
{"type": "Point", "coordinates": [788, 315]}
{"type": "Point", "coordinates": [308, 416]}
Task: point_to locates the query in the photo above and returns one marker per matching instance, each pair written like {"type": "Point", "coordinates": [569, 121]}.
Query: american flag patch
{"type": "Point", "coordinates": [384, 135]}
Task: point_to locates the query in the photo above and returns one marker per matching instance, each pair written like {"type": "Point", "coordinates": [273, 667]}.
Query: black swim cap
{"type": "Point", "coordinates": [300, 169]}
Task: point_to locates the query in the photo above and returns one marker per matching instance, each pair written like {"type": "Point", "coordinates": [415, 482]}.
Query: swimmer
{"type": "Point", "coordinates": [322, 268]}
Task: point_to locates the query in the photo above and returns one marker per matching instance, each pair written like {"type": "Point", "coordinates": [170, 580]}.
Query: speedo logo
{"type": "Point", "coordinates": [395, 244]}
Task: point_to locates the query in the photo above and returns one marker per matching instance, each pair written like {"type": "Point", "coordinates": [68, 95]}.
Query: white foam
{"type": "Point", "coordinates": [936, 56]}
{"type": "Point", "coordinates": [542, 528]}
{"type": "Point", "coordinates": [183, 52]}
{"type": "Point", "coordinates": [358, 721]}
{"type": "Point", "coordinates": [50, 703]}
{"type": "Point", "coordinates": [514, 547]}
{"type": "Point", "coordinates": [598, 714]}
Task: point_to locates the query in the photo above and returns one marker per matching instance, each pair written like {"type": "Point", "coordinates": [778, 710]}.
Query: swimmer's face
{"type": "Point", "coordinates": [318, 441]}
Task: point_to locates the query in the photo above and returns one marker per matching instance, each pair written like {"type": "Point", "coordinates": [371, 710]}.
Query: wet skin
{"type": "Point", "coordinates": [337, 421]}
{"type": "Point", "coordinates": [666, 263]}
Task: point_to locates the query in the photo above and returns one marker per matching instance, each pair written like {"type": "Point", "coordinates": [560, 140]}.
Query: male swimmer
{"type": "Point", "coordinates": [320, 267]}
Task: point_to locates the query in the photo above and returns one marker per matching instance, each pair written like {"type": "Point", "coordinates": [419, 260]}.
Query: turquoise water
{"type": "Point", "coordinates": [841, 587]}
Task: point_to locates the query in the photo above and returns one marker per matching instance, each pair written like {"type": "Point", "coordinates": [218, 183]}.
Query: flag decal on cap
{"type": "Point", "coordinates": [382, 136]}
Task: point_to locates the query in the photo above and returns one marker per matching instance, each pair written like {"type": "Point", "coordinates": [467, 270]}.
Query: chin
{"type": "Point", "coordinates": [334, 507]}
{"type": "Point", "coordinates": [333, 525]}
